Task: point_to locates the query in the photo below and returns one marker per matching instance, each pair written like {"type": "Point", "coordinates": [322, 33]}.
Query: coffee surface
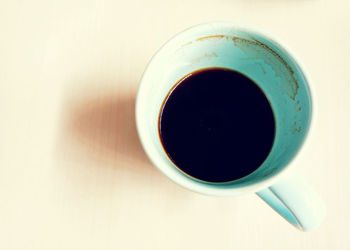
{"type": "Point", "coordinates": [217, 125]}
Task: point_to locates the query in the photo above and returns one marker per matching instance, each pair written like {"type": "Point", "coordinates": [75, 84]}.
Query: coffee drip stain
{"type": "Point", "coordinates": [255, 49]}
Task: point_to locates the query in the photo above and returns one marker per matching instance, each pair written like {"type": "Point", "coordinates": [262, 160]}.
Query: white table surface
{"type": "Point", "coordinates": [73, 174]}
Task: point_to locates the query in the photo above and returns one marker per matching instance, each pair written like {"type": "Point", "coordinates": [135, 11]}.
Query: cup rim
{"type": "Point", "coordinates": [254, 187]}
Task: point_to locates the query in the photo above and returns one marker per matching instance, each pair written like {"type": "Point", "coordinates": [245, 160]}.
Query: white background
{"type": "Point", "coordinates": [73, 174]}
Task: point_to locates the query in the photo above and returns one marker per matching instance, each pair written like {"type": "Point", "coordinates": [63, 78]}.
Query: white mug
{"type": "Point", "coordinates": [284, 83]}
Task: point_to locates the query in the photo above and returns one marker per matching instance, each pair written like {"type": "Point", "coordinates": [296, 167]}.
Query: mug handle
{"type": "Point", "coordinates": [296, 201]}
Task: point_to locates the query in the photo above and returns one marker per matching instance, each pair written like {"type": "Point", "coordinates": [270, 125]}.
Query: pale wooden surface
{"type": "Point", "coordinates": [73, 174]}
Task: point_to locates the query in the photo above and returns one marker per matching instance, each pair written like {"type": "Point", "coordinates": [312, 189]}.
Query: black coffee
{"type": "Point", "coordinates": [217, 125]}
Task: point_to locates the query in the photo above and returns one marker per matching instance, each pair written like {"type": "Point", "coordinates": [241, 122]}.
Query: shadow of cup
{"type": "Point", "coordinates": [106, 125]}
{"type": "Point", "coordinates": [98, 128]}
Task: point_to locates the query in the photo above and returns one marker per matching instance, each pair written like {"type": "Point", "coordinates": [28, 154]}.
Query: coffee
{"type": "Point", "coordinates": [217, 125]}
